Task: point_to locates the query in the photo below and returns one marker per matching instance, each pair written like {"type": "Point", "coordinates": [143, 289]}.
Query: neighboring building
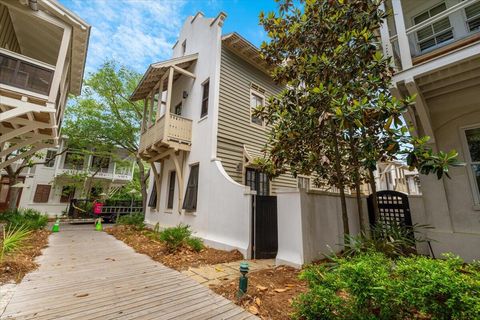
{"type": "Point", "coordinates": [436, 48]}
{"type": "Point", "coordinates": [199, 132]}
{"type": "Point", "coordinates": [49, 187]}
{"type": "Point", "coordinates": [43, 47]}
{"type": "Point", "coordinates": [396, 176]}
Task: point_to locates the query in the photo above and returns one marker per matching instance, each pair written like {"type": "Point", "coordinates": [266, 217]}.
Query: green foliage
{"type": "Point", "coordinates": [31, 219]}
{"type": "Point", "coordinates": [13, 237]}
{"type": "Point", "coordinates": [391, 240]}
{"type": "Point", "coordinates": [175, 237]}
{"type": "Point", "coordinates": [196, 244]}
{"type": "Point", "coordinates": [135, 220]}
{"type": "Point", "coordinates": [372, 286]}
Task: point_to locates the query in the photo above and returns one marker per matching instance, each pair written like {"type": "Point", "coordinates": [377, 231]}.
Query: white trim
{"type": "Point", "coordinates": [468, 160]}
{"type": "Point", "coordinates": [27, 59]}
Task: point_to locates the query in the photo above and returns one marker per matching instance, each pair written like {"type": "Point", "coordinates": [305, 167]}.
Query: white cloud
{"type": "Point", "coordinates": [133, 32]}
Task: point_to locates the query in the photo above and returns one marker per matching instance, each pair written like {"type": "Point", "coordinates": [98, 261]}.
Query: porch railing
{"type": "Point", "coordinates": [24, 73]}
{"type": "Point", "coordinates": [178, 129]}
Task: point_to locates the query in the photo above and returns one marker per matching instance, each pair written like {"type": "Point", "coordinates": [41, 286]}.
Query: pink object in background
{"type": "Point", "coordinates": [97, 207]}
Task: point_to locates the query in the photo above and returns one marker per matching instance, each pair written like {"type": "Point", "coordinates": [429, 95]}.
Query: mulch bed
{"type": "Point", "coordinates": [17, 264]}
{"type": "Point", "coordinates": [180, 260]}
{"type": "Point", "coordinates": [270, 292]}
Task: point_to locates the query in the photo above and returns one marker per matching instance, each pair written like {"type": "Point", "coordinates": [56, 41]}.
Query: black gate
{"type": "Point", "coordinates": [265, 227]}
{"type": "Point", "coordinates": [393, 208]}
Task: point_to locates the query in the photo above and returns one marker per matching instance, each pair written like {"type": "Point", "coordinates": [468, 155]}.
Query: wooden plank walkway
{"type": "Point", "coordinates": [86, 274]}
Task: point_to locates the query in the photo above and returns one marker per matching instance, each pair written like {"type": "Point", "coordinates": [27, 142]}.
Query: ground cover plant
{"type": "Point", "coordinates": [29, 219]}
{"type": "Point", "coordinates": [174, 247]}
{"type": "Point", "coordinates": [372, 286]}
{"type": "Point", "coordinates": [135, 220]}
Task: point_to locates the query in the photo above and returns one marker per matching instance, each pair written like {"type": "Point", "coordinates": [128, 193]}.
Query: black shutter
{"type": "Point", "coordinates": [171, 189]}
{"type": "Point", "coordinates": [152, 202]}
{"type": "Point", "coordinates": [190, 202]}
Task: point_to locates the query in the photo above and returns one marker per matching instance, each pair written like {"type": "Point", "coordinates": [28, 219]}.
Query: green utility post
{"type": "Point", "coordinates": [243, 282]}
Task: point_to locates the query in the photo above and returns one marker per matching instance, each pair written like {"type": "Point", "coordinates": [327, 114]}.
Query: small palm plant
{"type": "Point", "coordinates": [13, 237]}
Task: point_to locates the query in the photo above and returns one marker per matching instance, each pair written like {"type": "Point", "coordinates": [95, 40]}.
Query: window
{"type": "Point", "coordinates": [473, 16]}
{"type": "Point", "coordinates": [435, 33]}
{"type": "Point", "coordinates": [50, 158]}
{"type": "Point", "coordinates": [73, 161]}
{"type": "Point", "coordinates": [303, 182]}
{"type": "Point", "coordinates": [190, 202]}
{"type": "Point", "coordinates": [42, 193]}
{"type": "Point", "coordinates": [206, 89]}
{"type": "Point", "coordinates": [171, 189]}
{"type": "Point", "coordinates": [255, 101]}
{"type": "Point", "coordinates": [68, 192]}
{"type": "Point", "coordinates": [152, 202]}
{"type": "Point", "coordinates": [473, 143]}
{"type": "Point", "coordinates": [100, 164]}
{"type": "Point", "coordinates": [178, 109]}
{"type": "Point", "coordinates": [257, 181]}
{"type": "Point", "coordinates": [184, 47]}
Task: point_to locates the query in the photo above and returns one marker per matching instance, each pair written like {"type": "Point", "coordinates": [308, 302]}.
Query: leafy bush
{"type": "Point", "coordinates": [391, 240]}
{"type": "Point", "coordinates": [196, 244]}
{"type": "Point", "coordinates": [135, 220]}
{"type": "Point", "coordinates": [13, 237]}
{"type": "Point", "coordinates": [372, 286]}
{"type": "Point", "coordinates": [175, 237]}
{"type": "Point", "coordinates": [31, 219]}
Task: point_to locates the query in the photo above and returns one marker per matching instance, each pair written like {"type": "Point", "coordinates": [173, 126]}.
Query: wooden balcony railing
{"type": "Point", "coordinates": [24, 73]}
{"type": "Point", "coordinates": [178, 131]}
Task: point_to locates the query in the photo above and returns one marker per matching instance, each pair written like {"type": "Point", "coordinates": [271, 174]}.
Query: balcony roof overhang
{"type": "Point", "coordinates": [156, 71]}
{"type": "Point", "coordinates": [39, 35]}
{"type": "Point", "coordinates": [246, 50]}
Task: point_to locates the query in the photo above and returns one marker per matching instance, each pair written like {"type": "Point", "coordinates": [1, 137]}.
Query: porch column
{"type": "Point", "coordinates": [62, 57]}
{"type": "Point", "coordinates": [144, 118]}
{"type": "Point", "coordinates": [159, 102]}
{"type": "Point", "coordinates": [169, 100]}
{"type": "Point", "coordinates": [385, 36]}
{"type": "Point", "coordinates": [402, 38]}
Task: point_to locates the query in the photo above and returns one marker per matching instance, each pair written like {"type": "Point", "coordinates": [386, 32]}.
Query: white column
{"type": "Point", "coordinates": [62, 57]}
{"type": "Point", "coordinates": [385, 36]}
{"type": "Point", "coordinates": [405, 55]}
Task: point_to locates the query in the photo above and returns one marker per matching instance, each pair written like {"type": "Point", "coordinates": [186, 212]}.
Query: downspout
{"type": "Point", "coordinates": [33, 5]}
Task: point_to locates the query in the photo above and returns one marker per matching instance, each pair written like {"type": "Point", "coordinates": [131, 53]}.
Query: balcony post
{"type": "Point", "coordinates": [61, 59]}
{"type": "Point", "coordinates": [169, 100]}
{"type": "Point", "coordinates": [403, 44]}
{"type": "Point", "coordinates": [385, 36]}
{"type": "Point", "coordinates": [159, 102]}
{"type": "Point", "coordinates": [144, 118]}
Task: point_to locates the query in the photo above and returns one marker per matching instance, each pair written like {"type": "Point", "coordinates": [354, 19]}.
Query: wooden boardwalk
{"type": "Point", "coordinates": [86, 274]}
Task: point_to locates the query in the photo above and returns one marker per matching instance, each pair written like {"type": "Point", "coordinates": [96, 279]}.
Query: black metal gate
{"type": "Point", "coordinates": [265, 227]}
{"type": "Point", "coordinates": [393, 208]}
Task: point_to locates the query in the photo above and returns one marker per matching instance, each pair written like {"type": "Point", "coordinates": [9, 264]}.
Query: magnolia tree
{"type": "Point", "coordinates": [336, 116]}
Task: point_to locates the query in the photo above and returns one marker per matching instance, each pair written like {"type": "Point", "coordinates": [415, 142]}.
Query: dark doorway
{"type": "Point", "coordinates": [393, 207]}
{"type": "Point", "coordinates": [265, 227]}
{"type": "Point", "coordinates": [5, 191]}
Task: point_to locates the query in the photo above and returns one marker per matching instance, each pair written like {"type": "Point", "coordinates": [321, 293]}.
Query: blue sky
{"type": "Point", "coordinates": [139, 32]}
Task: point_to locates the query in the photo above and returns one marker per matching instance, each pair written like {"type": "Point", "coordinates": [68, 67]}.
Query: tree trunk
{"type": "Point", "coordinates": [13, 192]}
{"type": "Point", "coordinates": [341, 186]}
{"type": "Point", "coordinates": [356, 179]}
{"type": "Point", "coordinates": [376, 212]}
{"type": "Point", "coordinates": [143, 183]}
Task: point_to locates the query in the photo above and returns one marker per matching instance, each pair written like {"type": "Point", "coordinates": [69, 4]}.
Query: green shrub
{"type": "Point", "coordinates": [135, 220]}
{"type": "Point", "coordinates": [391, 240]}
{"type": "Point", "coordinates": [31, 219]}
{"type": "Point", "coordinates": [196, 244]}
{"type": "Point", "coordinates": [175, 237]}
{"type": "Point", "coordinates": [12, 239]}
{"type": "Point", "coordinates": [372, 286]}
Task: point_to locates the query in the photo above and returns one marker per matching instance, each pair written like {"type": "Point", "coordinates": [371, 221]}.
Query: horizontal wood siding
{"type": "Point", "coordinates": [8, 39]}
{"type": "Point", "coordinates": [235, 129]}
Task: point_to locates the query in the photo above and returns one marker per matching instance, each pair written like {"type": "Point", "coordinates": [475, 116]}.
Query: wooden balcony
{"type": "Point", "coordinates": [170, 132]}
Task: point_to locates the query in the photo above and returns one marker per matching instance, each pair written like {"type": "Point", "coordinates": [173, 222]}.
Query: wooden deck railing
{"type": "Point", "coordinates": [178, 129]}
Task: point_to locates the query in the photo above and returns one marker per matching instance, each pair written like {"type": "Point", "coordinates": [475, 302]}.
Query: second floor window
{"type": "Point", "coordinates": [100, 164]}
{"type": "Point", "coordinates": [73, 161]}
{"type": "Point", "coordinates": [436, 33]}
{"type": "Point", "coordinates": [50, 158]}
{"type": "Point", "coordinates": [473, 158]}
{"type": "Point", "coordinates": [473, 17]}
{"type": "Point", "coordinates": [256, 100]}
{"type": "Point", "coordinates": [206, 89]}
